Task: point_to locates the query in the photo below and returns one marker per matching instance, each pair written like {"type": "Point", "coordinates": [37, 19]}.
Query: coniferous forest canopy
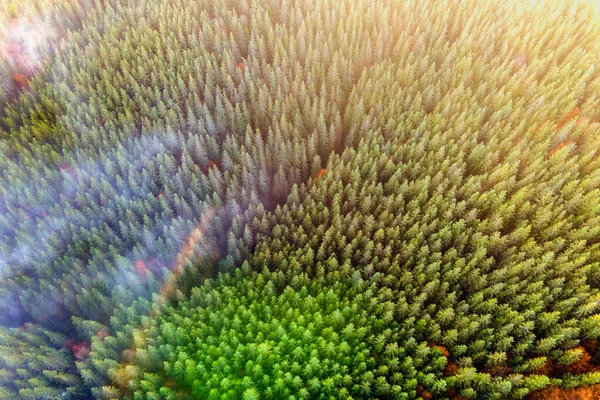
{"type": "Point", "coordinates": [299, 199]}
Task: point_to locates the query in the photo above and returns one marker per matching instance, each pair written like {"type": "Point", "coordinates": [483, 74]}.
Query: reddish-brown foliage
{"type": "Point", "coordinates": [451, 368]}
{"type": "Point", "coordinates": [128, 355]}
{"type": "Point", "coordinates": [572, 114]}
{"type": "Point", "coordinates": [424, 394]}
{"type": "Point", "coordinates": [442, 349]}
{"type": "Point", "coordinates": [582, 366]}
{"type": "Point", "coordinates": [546, 369]}
{"type": "Point", "coordinates": [453, 394]}
{"type": "Point", "coordinates": [557, 148]}
{"type": "Point", "coordinates": [141, 268]}
{"type": "Point", "coordinates": [102, 334]}
{"type": "Point", "coordinates": [211, 164]}
{"type": "Point", "coordinates": [20, 81]}
{"type": "Point", "coordinates": [498, 370]}
{"type": "Point", "coordinates": [556, 393]}
{"type": "Point", "coordinates": [65, 167]}
{"type": "Point", "coordinates": [375, 356]}
{"type": "Point", "coordinates": [81, 350]}
{"type": "Point", "coordinates": [170, 383]}
{"type": "Point", "coordinates": [240, 66]}
{"type": "Point", "coordinates": [321, 173]}
{"type": "Point", "coordinates": [590, 345]}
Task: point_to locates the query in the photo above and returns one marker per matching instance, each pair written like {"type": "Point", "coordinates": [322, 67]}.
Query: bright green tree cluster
{"type": "Point", "coordinates": [250, 335]}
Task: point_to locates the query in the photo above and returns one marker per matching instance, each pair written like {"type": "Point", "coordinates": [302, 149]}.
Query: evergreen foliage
{"type": "Point", "coordinates": [250, 335]}
{"type": "Point", "coordinates": [427, 174]}
{"type": "Point", "coordinates": [496, 299]}
{"type": "Point", "coordinates": [34, 365]}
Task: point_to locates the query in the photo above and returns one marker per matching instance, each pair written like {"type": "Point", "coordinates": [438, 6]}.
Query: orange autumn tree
{"type": "Point", "coordinates": [20, 81]}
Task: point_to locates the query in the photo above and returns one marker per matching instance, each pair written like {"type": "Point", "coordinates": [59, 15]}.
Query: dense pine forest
{"type": "Point", "coordinates": [299, 199]}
